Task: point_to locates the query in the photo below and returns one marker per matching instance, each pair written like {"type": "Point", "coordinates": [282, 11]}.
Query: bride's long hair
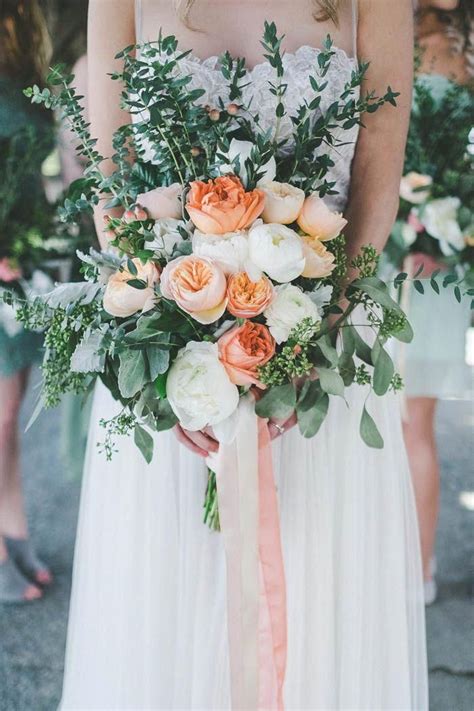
{"type": "Point", "coordinates": [324, 9]}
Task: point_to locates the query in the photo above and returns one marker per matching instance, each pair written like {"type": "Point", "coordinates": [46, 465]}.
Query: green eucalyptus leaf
{"type": "Point", "coordinates": [279, 402]}
{"type": "Point", "coordinates": [331, 381]}
{"type": "Point", "coordinates": [347, 368]}
{"type": "Point", "coordinates": [312, 410]}
{"type": "Point", "coordinates": [377, 290]}
{"type": "Point", "coordinates": [383, 369]}
{"type": "Point", "coordinates": [405, 334]}
{"type": "Point", "coordinates": [144, 442]}
{"type": "Point", "coordinates": [369, 431]}
{"type": "Point", "coordinates": [132, 372]}
{"type": "Point", "coordinates": [158, 361]}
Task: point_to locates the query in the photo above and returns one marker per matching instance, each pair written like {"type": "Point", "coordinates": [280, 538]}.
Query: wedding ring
{"type": "Point", "coordinates": [280, 429]}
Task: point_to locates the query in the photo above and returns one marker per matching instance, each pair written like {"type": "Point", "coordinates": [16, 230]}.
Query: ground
{"type": "Point", "coordinates": [32, 637]}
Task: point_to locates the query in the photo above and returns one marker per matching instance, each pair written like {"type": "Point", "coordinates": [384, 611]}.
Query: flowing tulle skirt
{"type": "Point", "coordinates": [148, 615]}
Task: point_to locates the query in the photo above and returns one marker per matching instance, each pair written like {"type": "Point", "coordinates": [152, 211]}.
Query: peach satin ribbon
{"type": "Point", "coordinates": [256, 590]}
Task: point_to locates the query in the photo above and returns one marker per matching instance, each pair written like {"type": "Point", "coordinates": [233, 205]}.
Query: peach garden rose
{"type": "Point", "coordinates": [198, 285]}
{"type": "Point", "coordinates": [243, 349]}
{"type": "Point", "coordinates": [247, 298]}
{"type": "Point", "coordinates": [222, 205]}
{"type": "Point", "coordinates": [319, 261]}
{"type": "Point", "coordinates": [317, 220]}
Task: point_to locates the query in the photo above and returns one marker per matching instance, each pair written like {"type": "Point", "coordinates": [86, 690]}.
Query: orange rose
{"type": "Point", "coordinates": [243, 349]}
{"type": "Point", "coordinates": [248, 298]}
{"type": "Point", "coordinates": [320, 262]}
{"type": "Point", "coordinates": [198, 286]}
{"type": "Point", "coordinates": [222, 205]}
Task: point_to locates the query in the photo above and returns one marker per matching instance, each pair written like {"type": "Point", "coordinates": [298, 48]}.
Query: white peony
{"type": "Point", "coordinates": [241, 150]}
{"type": "Point", "coordinates": [276, 250]}
{"type": "Point", "coordinates": [440, 220]}
{"type": "Point", "coordinates": [415, 187]}
{"type": "Point", "coordinates": [290, 307]}
{"type": "Point", "coordinates": [198, 387]}
{"type": "Point", "coordinates": [230, 250]}
{"type": "Point", "coordinates": [167, 236]}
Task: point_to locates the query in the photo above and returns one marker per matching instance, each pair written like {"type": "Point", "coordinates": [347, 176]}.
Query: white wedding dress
{"type": "Point", "coordinates": [147, 623]}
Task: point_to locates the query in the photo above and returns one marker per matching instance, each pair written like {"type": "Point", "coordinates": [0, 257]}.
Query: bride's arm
{"type": "Point", "coordinates": [111, 27]}
{"type": "Point", "coordinates": [385, 38]}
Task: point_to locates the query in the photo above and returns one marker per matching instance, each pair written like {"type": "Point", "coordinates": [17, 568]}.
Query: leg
{"type": "Point", "coordinates": [14, 587]}
{"type": "Point", "coordinates": [12, 513]}
{"type": "Point", "coordinates": [421, 446]}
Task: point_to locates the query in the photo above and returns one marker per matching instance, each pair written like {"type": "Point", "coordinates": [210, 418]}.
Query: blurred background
{"type": "Point", "coordinates": [32, 635]}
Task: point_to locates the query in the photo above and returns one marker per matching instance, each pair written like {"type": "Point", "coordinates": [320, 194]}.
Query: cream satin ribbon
{"type": "Point", "coordinates": [256, 590]}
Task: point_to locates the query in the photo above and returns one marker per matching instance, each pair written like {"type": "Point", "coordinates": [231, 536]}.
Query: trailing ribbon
{"type": "Point", "coordinates": [256, 590]}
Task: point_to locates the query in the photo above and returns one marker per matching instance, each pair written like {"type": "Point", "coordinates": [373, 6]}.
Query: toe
{"type": "Point", "coordinates": [44, 577]}
{"type": "Point", "coordinates": [32, 593]}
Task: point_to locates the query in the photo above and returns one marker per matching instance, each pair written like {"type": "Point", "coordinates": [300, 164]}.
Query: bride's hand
{"type": "Point", "coordinates": [277, 428]}
{"type": "Point", "coordinates": [201, 442]}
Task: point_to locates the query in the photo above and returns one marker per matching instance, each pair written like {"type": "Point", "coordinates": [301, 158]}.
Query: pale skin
{"type": "Point", "coordinates": [419, 426]}
{"type": "Point", "coordinates": [385, 36]}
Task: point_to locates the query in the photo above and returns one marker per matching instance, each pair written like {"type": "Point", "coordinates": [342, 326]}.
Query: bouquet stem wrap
{"type": "Point", "coordinates": [256, 589]}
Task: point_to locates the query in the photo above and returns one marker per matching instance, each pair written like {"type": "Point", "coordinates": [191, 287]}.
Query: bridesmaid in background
{"type": "Point", "coordinates": [434, 364]}
{"type": "Point", "coordinates": [24, 53]}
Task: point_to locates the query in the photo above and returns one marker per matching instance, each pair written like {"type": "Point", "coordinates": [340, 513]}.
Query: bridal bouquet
{"type": "Point", "coordinates": [436, 216]}
{"type": "Point", "coordinates": [228, 272]}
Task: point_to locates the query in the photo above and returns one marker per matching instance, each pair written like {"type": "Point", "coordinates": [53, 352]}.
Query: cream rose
{"type": "Point", "coordinates": [276, 250]}
{"type": "Point", "coordinates": [283, 202]}
{"type": "Point", "coordinates": [415, 187]}
{"type": "Point", "coordinates": [290, 306]}
{"type": "Point", "coordinates": [123, 300]}
{"type": "Point", "coordinates": [230, 250]}
{"type": "Point", "coordinates": [163, 202]}
{"type": "Point", "coordinates": [198, 388]}
{"type": "Point", "coordinates": [317, 220]}
{"type": "Point", "coordinates": [440, 220]}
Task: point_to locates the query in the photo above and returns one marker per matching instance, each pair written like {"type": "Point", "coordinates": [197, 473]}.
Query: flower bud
{"type": "Point", "coordinates": [128, 216]}
{"type": "Point", "coordinates": [214, 114]}
{"type": "Point", "coordinates": [195, 151]}
{"type": "Point", "coordinates": [140, 213]}
{"type": "Point", "coordinates": [232, 109]}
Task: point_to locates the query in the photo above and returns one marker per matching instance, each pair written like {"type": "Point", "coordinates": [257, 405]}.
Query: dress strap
{"type": "Point", "coordinates": [138, 21]}
{"type": "Point", "coordinates": [355, 22]}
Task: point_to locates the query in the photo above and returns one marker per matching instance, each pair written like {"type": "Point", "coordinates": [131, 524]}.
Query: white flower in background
{"type": "Point", "coordinates": [241, 150]}
{"type": "Point", "coordinates": [283, 202]}
{"type": "Point", "coordinates": [167, 236]}
{"type": "Point", "coordinates": [440, 220]}
{"type": "Point", "coordinates": [411, 187]}
{"type": "Point", "coordinates": [198, 387]}
{"type": "Point", "coordinates": [276, 250]}
{"type": "Point", "coordinates": [230, 250]}
{"type": "Point", "coordinates": [290, 307]}
{"type": "Point", "coordinates": [408, 233]}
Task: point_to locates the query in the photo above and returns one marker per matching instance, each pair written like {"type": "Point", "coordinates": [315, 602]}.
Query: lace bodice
{"type": "Point", "coordinates": [206, 75]}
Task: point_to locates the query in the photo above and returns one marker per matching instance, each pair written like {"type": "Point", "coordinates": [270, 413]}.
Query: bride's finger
{"type": "Point", "coordinates": [278, 427]}
{"type": "Point", "coordinates": [203, 440]}
{"type": "Point", "coordinates": [184, 439]}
